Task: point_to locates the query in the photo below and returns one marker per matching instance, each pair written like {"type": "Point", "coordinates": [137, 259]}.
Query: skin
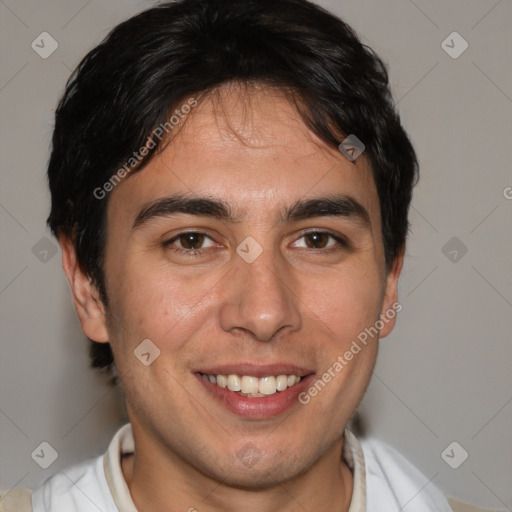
{"type": "Point", "coordinates": [294, 304]}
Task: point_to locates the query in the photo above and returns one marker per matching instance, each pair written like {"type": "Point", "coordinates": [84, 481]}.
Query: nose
{"type": "Point", "coordinates": [261, 299]}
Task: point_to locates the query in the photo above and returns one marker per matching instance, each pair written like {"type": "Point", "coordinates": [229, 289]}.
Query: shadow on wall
{"type": "Point", "coordinates": [357, 424]}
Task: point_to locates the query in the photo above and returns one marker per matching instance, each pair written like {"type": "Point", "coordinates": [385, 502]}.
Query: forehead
{"type": "Point", "coordinates": [249, 146]}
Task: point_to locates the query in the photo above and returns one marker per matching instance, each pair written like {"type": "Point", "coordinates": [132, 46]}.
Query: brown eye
{"type": "Point", "coordinates": [317, 239]}
{"type": "Point", "coordinates": [321, 241]}
{"type": "Point", "coordinates": [192, 241]}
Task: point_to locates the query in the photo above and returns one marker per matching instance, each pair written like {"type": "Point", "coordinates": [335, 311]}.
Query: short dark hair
{"type": "Point", "coordinates": [126, 86]}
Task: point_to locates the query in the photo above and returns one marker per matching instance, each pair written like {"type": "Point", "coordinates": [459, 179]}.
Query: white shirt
{"type": "Point", "coordinates": [383, 481]}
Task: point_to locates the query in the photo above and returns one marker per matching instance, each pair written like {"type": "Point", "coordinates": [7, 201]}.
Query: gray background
{"type": "Point", "coordinates": [444, 374]}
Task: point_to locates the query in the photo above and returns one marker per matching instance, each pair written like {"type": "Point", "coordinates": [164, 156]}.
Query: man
{"type": "Point", "coordinates": [230, 185]}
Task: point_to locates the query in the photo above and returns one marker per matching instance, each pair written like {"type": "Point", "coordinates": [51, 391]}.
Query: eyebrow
{"type": "Point", "coordinates": [327, 206]}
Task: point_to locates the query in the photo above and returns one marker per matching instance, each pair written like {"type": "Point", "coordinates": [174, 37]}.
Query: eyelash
{"type": "Point", "coordinates": [342, 243]}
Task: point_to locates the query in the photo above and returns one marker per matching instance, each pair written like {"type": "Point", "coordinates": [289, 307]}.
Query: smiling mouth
{"type": "Point", "coordinates": [253, 387]}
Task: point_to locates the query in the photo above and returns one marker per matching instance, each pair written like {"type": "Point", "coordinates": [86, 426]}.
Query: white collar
{"type": "Point", "coordinates": [123, 444]}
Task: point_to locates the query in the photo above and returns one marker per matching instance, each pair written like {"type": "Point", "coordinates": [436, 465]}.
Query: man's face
{"type": "Point", "coordinates": [318, 282]}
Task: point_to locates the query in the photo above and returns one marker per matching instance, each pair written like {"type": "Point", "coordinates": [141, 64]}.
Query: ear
{"type": "Point", "coordinates": [390, 304]}
{"type": "Point", "coordinates": [86, 297]}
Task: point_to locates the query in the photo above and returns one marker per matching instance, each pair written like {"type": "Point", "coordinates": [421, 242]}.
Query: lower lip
{"type": "Point", "coordinates": [257, 407]}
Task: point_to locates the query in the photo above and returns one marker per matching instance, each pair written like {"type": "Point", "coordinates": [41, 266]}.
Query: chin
{"type": "Point", "coordinates": [265, 478]}
{"type": "Point", "coordinates": [259, 473]}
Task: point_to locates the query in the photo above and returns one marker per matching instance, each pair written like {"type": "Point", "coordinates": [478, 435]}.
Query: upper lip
{"type": "Point", "coordinates": [254, 370]}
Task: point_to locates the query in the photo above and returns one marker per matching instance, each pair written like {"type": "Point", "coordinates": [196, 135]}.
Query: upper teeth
{"type": "Point", "coordinates": [249, 385]}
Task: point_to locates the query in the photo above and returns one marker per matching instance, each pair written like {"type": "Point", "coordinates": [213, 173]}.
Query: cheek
{"type": "Point", "coordinates": [347, 301]}
{"type": "Point", "coordinates": [151, 301]}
